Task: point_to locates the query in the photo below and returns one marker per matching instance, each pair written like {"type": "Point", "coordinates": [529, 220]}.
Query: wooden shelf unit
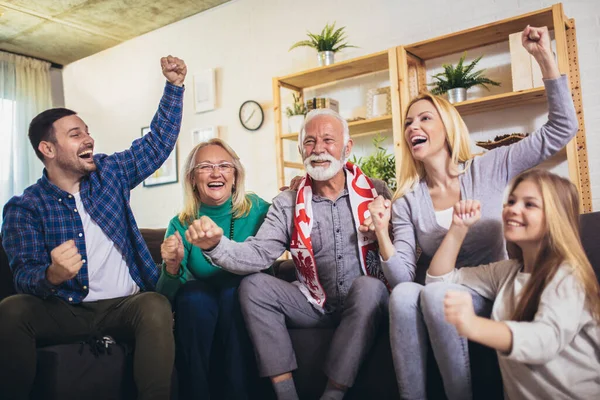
{"type": "Point", "coordinates": [406, 65]}
{"type": "Point", "coordinates": [412, 78]}
{"type": "Point", "coordinates": [298, 82]}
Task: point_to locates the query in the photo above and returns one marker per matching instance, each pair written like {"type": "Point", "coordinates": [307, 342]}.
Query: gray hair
{"type": "Point", "coordinates": [320, 112]}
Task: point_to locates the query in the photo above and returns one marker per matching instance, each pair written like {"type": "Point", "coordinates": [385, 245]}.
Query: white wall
{"type": "Point", "coordinates": [116, 92]}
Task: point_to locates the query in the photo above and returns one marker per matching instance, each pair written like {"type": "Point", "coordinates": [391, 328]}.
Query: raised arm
{"type": "Point", "coordinates": [562, 125]}
{"type": "Point", "coordinates": [148, 153]}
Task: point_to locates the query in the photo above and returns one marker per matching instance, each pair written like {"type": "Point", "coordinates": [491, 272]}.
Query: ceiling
{"type": "Point", "coordinates": [63, 31]}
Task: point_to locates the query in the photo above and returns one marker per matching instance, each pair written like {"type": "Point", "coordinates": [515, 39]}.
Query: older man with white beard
{"type": "Point", "coordinates": [340, 283]}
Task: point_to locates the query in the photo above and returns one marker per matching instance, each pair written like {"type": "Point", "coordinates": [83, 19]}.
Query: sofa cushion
{"type": "Point", "coordinates": [590, 238]}
{"type": "Point", "coordinates": [68, 371]}
{"type": "Point", "coordinates": [154, 238]}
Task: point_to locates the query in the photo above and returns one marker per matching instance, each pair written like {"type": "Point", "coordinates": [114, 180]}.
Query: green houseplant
{"type": "Point", "coordinates": [296, 114]}
{"type": "Point", "coordinates": [327, 43]}
{"type": "Point", "coordinates": [456, 80]}
{"type": "Point", "coordinates": [379, 165]}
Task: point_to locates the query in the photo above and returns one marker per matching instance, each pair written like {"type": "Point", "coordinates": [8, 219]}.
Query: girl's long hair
{"type": "Point", "coordinates": [457, 137]}
{"type": "Point", "coordinates": [241, 204]}
{"type": "Point", "coordinates": [561, 244]}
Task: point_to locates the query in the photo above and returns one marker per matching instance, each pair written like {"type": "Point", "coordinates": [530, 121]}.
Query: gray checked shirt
{"type": "Point", "coordinates": [333, 238]}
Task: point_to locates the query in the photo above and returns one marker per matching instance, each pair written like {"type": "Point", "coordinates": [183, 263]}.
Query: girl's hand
{"type": "Point", "coordinates": [458, 311]}
{"type": "Point", "coordinates": [466, 213]}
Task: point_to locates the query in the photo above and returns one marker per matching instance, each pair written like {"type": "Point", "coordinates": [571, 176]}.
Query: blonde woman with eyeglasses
{"type": "Point", "coordinates": [204, 297]}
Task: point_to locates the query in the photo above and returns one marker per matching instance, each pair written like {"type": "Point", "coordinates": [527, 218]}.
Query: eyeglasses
{"type": "Point", "coordinates": [207, 168]}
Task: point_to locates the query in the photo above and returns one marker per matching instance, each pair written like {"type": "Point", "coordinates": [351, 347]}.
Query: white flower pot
{"type": "Point", "coordinates": [295, 123]}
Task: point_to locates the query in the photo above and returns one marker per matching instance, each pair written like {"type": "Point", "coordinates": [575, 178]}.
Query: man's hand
{"type": "Point", "coordinates": [466, 213]}
{"type": "Point", "coordinates": [171, 251]}
{"type": "Point", "coordinates": [204, 233]}
{"type": "Point", "coordinates": [174, 69]}
{"type": "Point", "coordinates": [66, 263]}
{"type": "Point", "coordinates": [458, 310]}
{"type": "Point", "coordinates": [294, 184]}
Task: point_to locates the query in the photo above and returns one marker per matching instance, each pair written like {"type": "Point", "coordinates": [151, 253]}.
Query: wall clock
{"type": "Point", "coordinates": [251, 115]}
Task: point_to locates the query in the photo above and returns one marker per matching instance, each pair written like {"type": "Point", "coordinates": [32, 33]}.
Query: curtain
{"type": "Point", "coordinates": [25, 91]}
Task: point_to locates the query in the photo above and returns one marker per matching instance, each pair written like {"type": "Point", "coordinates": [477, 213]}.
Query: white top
{"type": "Point", "coordinates": [444, 217]}
{"type": "Point", "coordinates": [107, 270]}
{"type": "Point", "coordinates": [555, 356]}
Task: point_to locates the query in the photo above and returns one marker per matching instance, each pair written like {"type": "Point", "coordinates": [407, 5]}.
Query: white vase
{"type": "Point", "coordinates": [295, 123]}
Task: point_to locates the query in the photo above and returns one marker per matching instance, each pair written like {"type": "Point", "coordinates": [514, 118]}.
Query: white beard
{"type": "Point", "coordinates": [321, 173]}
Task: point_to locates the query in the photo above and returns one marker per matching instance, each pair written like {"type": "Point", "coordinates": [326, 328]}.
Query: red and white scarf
{"type": "Point", "coordinates": [361, 192]}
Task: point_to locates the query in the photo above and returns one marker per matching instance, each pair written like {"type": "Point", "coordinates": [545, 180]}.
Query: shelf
{"type": "Point", "coordinates": [502, 101]}
{"type": "Point", "coordinates": [289, 164]}
{"type": "Point", "coordinates": [359, 128]}
{"type": "Point", "coordinates": [483, 35]}
{"type": "Point", "coordinates": [341, 70]}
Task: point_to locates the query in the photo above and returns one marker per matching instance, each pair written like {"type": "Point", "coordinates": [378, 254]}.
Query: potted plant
{"type": "Point", "coordinates": [296, 114]}
{"type": "Point", "coordinates": [456, 80]}
{"type": "Point", "coordinates": [327, 43]}
{"type": "Point", "coordinates": [379, 165]}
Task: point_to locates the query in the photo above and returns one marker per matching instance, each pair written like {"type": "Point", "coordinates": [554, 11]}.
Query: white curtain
{"type": "Point", "coordinates": [25, 91]}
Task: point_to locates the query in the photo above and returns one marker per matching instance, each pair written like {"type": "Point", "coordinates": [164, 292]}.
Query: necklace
{"type": "Point", "coordinates": [230, 238]}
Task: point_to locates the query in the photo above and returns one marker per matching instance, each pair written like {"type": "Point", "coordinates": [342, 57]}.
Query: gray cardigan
{"type": "Point", "coordinates": [413, 215]}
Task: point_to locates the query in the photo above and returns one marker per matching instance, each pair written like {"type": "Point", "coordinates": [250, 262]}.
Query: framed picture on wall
{"type": "Point", "coordinates": [167, 173]}
{"type": "Point", "coordinates": [204, 91]}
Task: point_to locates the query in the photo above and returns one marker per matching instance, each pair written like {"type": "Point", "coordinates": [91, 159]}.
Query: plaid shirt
{"type": "Point", "coordinates": [44, 216]}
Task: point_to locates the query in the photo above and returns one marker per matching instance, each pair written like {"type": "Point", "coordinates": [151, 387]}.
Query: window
{"type": "Point", "coordinates": [7, 124]}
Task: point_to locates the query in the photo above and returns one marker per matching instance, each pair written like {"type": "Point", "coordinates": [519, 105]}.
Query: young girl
{"type": "Point", "coordinates": [545, 319]}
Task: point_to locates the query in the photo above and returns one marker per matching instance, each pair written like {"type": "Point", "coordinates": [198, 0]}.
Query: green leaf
{"type": "Point", "coordinates": [460, 76]}
{"type": "Point", "coordinates": [330, 39]}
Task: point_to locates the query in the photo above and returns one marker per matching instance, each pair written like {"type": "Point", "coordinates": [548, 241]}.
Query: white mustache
{"type": "Point", "coordinates": [322, 157]}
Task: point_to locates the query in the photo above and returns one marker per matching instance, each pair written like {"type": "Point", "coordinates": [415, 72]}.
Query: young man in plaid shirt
{"type": "Point", "coordinates": [79, 261]}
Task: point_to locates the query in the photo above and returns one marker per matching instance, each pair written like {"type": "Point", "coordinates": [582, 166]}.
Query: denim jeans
{"type": "Point", "coordinates": [416, 322]}
{"type": "Point", "coordinates": [213, 352]}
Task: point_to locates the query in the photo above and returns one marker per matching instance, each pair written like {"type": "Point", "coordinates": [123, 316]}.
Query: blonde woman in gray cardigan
{"type": "Point", "coordinates": [544, 322]}
{"type": "Point", "coordinates": [437, 171]}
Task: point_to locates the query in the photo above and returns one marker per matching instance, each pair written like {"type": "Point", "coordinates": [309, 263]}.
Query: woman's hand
{"type": "Point", "coordinates": [380, 210]}
{"type": "Point", "coordinates": [537, 43]}
{"type": "Point", "coordinates": [171, 251]}
{"type": "Point", "coordinates": [458, 311]}
{"type": "Point", "coordinates": [466, 213]}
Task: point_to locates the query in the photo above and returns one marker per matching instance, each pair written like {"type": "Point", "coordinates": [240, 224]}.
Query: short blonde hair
{"type": "Point", "coordinates": [241, 204]}
{"type": "Point", "coordinates": [457, 137]}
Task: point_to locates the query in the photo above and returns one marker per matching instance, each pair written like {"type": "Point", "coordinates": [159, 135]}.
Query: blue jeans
{"type": "Point", "coordinates": [417, 322]}
{"type": "Point", "coordinates": [213, 352]}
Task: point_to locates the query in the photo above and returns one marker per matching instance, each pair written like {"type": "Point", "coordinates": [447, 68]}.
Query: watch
{"type": "Point", "coordinates": [251, 115]}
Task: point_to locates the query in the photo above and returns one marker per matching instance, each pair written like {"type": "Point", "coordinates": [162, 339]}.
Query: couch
{"type": "Point", "coordinates": [376, 378]}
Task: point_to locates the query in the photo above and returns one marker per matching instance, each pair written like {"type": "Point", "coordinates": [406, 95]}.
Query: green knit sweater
{"type": "Point", "coordinates": [194, 265]}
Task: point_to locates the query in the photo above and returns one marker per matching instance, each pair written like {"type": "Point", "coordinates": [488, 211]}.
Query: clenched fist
{"type": "Point", "coordinates": [458, 310]}
{"type": "Point", "coordinates": [171, 251]}
{"type": "Point", "coordinates": [204, 233]}
{"type": "Point", "coordinates": [174, 69]}
{"type": "Point", "coordinates": [466, 213]}
{"type": "Point", "coordinates": [66, 263]}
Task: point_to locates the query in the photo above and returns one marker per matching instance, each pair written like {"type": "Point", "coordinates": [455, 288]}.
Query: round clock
{"type": "Point", "coordinates": [251, 115]}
